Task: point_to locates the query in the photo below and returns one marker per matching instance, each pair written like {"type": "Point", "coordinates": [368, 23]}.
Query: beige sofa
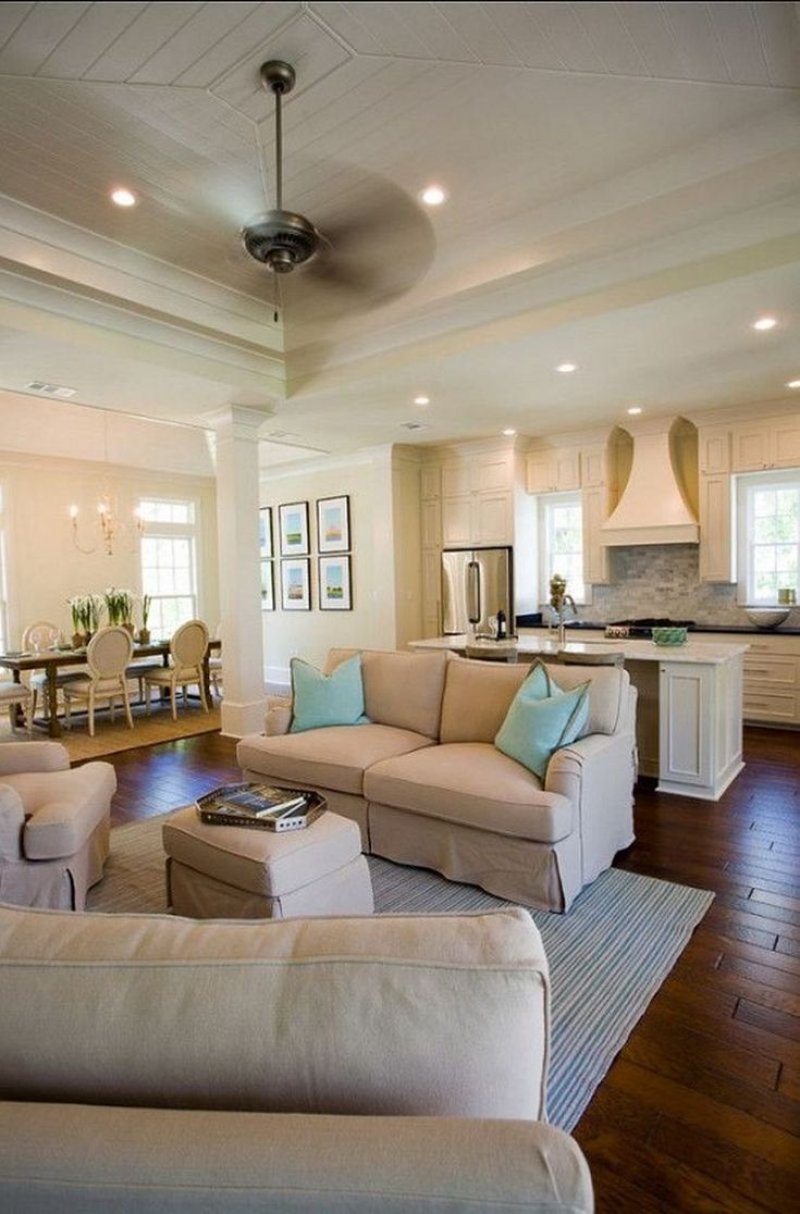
{"type": "Point", "coordinates": [54, 825]}
{"type": "Point", "coordinates": [428, 787]}
{"type": "Point", "coordinates": [150, 1063]}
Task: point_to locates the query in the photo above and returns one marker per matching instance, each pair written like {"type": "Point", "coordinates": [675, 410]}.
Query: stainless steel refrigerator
{"type": "Point", "coordinates": [476, 584]}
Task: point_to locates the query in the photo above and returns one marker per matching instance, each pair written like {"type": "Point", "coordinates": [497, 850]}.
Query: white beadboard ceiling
{"type": "Point", "coordinates": [624, 185]}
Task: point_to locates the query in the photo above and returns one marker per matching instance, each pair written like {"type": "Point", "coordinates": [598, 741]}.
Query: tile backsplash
{"type": "Point", "coordinates": [663, 580]}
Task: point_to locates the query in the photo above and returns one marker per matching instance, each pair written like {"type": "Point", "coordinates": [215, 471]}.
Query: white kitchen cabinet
{"type": "Point", "coordinates": [714, 449]}
{"type": "Point", "coordinates": [716, 557]}
{"type": "Point", "coordinates": [771, 677]}
{"type": "Point", "coordinates": [771, 443]}
{"type": "Point", "coordinates": [594, 466]}
{"type": "Point", "coordinates": [431, 592]}
{"type": "Point", "coordinates": [431, 522]}
{"type": "Point", "coordinates": [553, 470]}
{"type": "Point", "coordinates": [595, 552]}
{"type": "Point", "coordinates": [478, 500]}
{"type": "Point", "coordinates": [430, 482]}
{"type": "Point", "coordinates": [700, 727]}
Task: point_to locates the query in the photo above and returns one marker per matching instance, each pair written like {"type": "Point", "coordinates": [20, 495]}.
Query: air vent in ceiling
{"type": "Point", "coordinates": [57, 390]}
{"type": "Point", "coordinates": [413, 426]}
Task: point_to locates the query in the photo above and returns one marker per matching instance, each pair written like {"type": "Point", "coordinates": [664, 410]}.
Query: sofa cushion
{"type": "Point", "coordinates": [477, 696]}
{"type": "Point", "coordinates": [326, 699]}
{"type": "Point", "coordinates": [474, 784]}
{"type": "Point", "coordinates": [326, 1015]}
{"type": "Point", "coordinates": [400, 689]}
{"type": "Point", "coordinates": [65, 807]}
{"type": "Point", "coordinates": [12, 820]}
{"type": "Point", "coordinates": [608, 693]}
{"type": "Point", "coordinates": [335, 757]}
{"type": "Point", "coordinates": [542, 718]}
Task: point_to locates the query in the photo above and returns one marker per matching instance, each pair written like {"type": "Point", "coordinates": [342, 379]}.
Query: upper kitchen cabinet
{"type": "Point", "coordinates": [714, 449]}
{"type": "Point", "coordinates": [477, 498]}
{"type": "Point", "coordinates": [553, 470]}
{"type": "Point", "coordinates": [772, 442]}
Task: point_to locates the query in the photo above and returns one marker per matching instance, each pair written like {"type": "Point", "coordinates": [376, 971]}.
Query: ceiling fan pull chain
{"type": "Point", "coordinates": [277, 302]}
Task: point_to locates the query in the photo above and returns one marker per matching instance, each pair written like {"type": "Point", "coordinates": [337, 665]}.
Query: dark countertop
{"type": "Point", "coordinates": [741, 629]}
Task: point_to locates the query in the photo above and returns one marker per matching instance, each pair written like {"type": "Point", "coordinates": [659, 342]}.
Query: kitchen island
{"type": "Point", "coordinates": [689, 716]}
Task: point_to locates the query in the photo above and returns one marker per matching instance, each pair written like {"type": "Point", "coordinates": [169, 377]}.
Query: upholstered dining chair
{"type": "Point", "coordinates": [13, 694]}
{"type": "Point", "coordinates": [187, 649]}
{"type": "Point", "coordinates": [37, 638]}
{"type": "Point", "coordinates": [107, 656]}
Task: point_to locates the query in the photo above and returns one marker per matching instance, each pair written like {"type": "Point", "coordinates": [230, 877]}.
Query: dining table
{"type": "Point", "coordinates": [59, 657]}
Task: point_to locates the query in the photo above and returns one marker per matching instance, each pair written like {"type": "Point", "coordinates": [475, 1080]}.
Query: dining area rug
{"type": "Point", "coordinates": [113, 736]}
{"type": "Point", "coordinates": [608, 956]}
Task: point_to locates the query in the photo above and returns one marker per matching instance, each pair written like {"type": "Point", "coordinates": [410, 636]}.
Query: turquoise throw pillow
{"type": "Point", "coordinates": [537, 725]}
{"type": "Point", "coordinates": [326, 699]}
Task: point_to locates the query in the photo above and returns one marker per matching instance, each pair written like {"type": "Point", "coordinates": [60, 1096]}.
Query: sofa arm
{"type": "Point", "coordinates": [261, 1161]}
{"type": "Point", "coordinates": [12, 823]}
{"type": "Point", "coordinates": [278, 716]}
{"type": "Point", "coordinates": [597, 774]}
{"type": "Point", "coordinates": [16, 757]}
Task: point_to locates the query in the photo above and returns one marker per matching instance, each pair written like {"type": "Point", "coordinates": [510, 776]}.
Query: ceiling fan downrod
{"type": "Point", "coordinates": [282, 239]}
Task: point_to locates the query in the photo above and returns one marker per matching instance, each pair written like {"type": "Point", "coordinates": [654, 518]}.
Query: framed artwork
{"type": "Point", "coordinates": [293, 524]}
{"type": "Point", "coordinates": [267, 587]}
{"type": "Point", "coordinates": [333, 524]}
{"type": "Point", "coordinates": [334, 584]}
{"type": "Point", "coordinates": [296, 585]}
{"type": "Point", "coordinates": [265, 533]}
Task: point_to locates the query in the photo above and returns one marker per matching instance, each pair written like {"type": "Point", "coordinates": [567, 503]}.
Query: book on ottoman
{"type": "Point", "coordinates": [263, 806]}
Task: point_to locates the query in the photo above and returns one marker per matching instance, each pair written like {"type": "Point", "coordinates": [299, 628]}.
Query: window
{"type": "Point", "coordinates": [768, 535]}
{"type": "Point", "coordinates": [169, 562]}
{"type": "Point", "coordinates": [561, 543]}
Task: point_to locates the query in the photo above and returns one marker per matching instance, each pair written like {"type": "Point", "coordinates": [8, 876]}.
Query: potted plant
{"type": "Point", "coordinates": [144, 631]}
{"type": "Point", "coordinates": [77, 607]}
{"type": "Point", "coordinates": [95, 605]}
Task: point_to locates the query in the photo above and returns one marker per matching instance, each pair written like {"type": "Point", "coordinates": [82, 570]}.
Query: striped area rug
{"type": "Point", "coordinates": [607, 957]}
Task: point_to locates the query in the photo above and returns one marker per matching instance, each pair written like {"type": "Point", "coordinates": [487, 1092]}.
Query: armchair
{"type": "Point", "coordinates": [54, 825]}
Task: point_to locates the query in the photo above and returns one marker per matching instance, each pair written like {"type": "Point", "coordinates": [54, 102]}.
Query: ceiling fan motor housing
{"type": "Point", "coordinates": [281, 240]}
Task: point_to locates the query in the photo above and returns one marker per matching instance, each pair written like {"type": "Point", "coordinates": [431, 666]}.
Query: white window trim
{"type": "Point", "coordinates": [789, 477]}
{"type": "Point", "coordinates": [572, 497]}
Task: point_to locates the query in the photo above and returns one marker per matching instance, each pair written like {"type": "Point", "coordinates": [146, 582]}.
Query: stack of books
{"type": "Point", "coordinates": [262, 806]}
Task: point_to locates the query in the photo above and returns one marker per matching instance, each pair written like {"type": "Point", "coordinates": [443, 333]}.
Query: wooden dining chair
{"type": "Point", "coordinates": [187, 649]}
{"type": "Point", "coordinates": [107, 656]}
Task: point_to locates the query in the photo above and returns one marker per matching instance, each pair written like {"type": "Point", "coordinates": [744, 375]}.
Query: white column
{"type": "Point", "coordinates": [239, 573]}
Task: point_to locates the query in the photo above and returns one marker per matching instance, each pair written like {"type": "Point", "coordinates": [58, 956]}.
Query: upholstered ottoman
{"type": "Point", "coordinates": [232, 872]}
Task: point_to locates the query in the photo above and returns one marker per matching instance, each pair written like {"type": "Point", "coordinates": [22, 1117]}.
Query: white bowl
{"type": "Point", "coordinates": [767, 617]}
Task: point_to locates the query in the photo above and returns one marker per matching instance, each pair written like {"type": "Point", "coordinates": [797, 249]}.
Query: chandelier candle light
{"type": "Point", "coordinates": [111, 526]}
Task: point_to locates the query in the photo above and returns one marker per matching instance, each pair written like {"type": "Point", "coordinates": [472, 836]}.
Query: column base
{"type": "Point", "coordinates": [240, 719]}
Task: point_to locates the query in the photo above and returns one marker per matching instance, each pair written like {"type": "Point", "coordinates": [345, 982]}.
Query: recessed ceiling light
{"type": "Point", "coordinates": [508, 432]}
{"type": "Point", "coordinates": [123, 197]}
{"type": "Point", "coordinates": [433, 196]}
{"type": "Point", "coordinates": [567, 368]}
{"type": "Point", "coordinates": [422, 400]}
{"type": "Point", "coordinates": [793, 383]}
{"type": "Point", "coordinates": [635, 410]}
{"type": "Point", "coordinates": [764, 323]}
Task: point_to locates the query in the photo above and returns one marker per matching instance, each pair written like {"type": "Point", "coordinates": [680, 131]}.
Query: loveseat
{"type": "Point", "coordinates": [427, 785]}
{"type": "Point", "coordinates": [152, 1063]}
{"type": "Point", "coordinates": [54, 825]}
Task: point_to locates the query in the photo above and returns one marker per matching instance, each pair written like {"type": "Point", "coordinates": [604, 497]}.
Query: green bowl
{"type": "Point", "coordinates": [669, 636]}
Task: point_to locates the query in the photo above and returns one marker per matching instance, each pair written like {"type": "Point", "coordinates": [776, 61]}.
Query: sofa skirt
{"type": "Point", "coordinates": [544, 876]}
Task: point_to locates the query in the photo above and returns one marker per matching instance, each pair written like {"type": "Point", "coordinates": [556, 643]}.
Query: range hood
{"type": "Point", "coordinates": [653, 508]}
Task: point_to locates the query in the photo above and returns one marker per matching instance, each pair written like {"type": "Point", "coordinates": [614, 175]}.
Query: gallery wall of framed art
{"type": "Point", "coordinates": [291, 582]}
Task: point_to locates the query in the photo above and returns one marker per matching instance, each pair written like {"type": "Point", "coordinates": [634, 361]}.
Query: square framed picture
{"type": "Point", "coordinates": [267, 587]}
{"type": "Point", "coordinates": [293, 525]}
{"type": "Point", "coordinates": [265, 533]}
{"type": "Point", "coordinates": [333, 524]}
{"type": "Point", "coordinates": [334, 584]}
{"type": "Point", "coordinates": [296, 585]}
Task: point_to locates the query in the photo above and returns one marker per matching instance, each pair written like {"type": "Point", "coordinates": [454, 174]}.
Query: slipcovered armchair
{"type": "Point", "coordinates": [54, 825]}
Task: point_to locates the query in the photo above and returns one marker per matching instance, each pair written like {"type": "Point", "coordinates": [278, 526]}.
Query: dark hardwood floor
{"type": "Point", "coordinates": [700, 1112]}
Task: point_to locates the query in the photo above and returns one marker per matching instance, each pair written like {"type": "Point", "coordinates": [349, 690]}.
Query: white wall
{"type": "Point", "coordinates": [383, 486]}
{"type": "Point", "coordinates": [43, 568]}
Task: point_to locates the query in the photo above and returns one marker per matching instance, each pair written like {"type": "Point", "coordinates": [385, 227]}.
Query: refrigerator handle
{"type": "Point", "coordinates": [473, 592]}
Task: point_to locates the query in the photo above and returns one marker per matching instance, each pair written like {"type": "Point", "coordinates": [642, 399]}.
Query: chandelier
{"type": "Point", "coordinates": [108, 527]}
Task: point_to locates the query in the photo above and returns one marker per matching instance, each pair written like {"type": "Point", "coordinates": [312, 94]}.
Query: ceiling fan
{"type": "Point", "coordinates": [372, 249]}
